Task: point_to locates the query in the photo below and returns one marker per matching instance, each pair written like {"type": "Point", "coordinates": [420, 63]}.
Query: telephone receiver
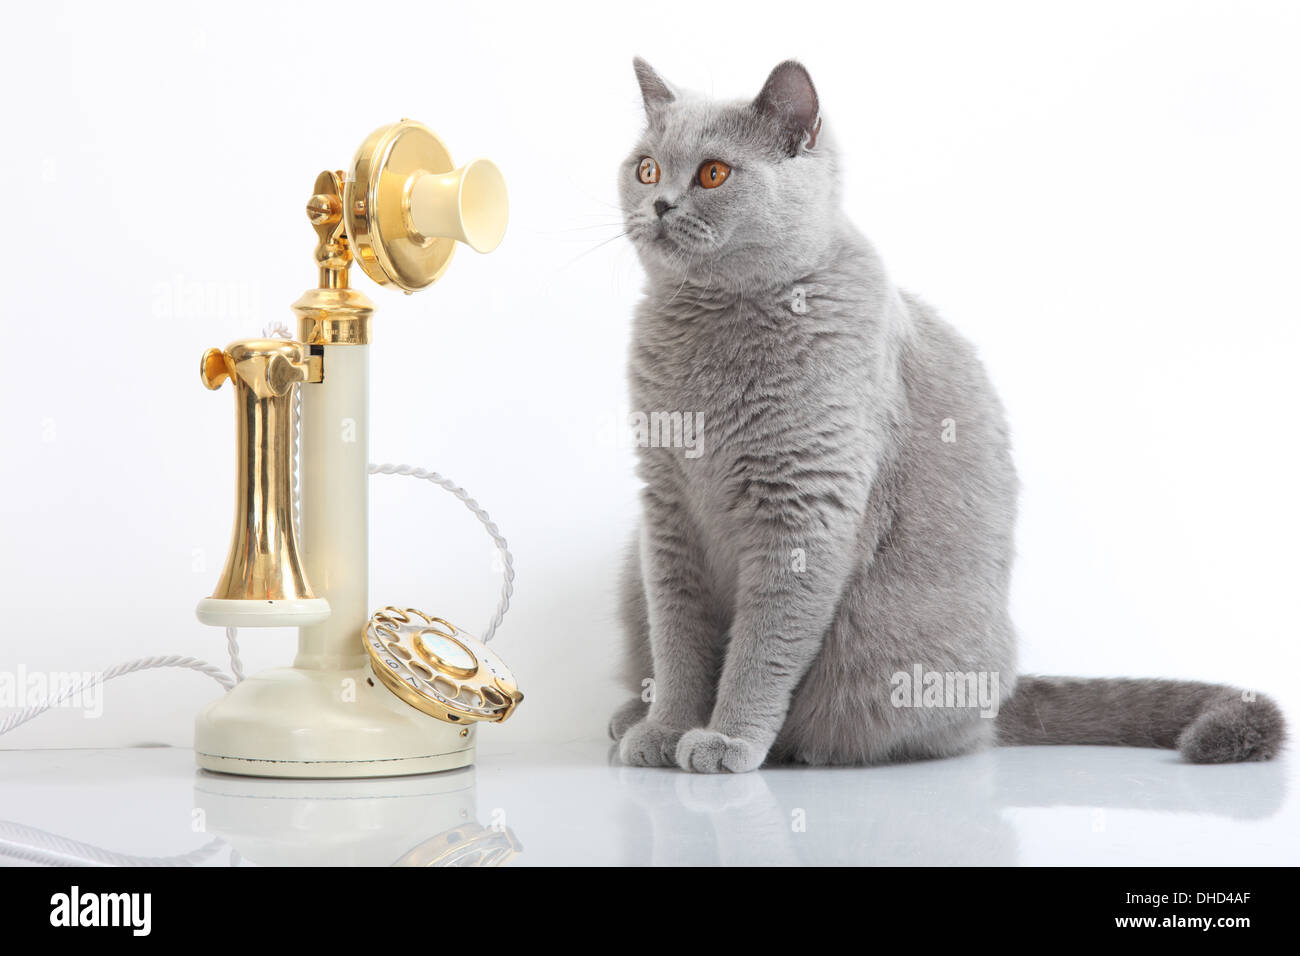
{"type": "Point", "coordinates": [392, 692]}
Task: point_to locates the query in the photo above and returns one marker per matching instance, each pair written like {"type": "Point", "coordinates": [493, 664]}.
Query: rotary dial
{"type": "Point", "coordinates": [438, 668]}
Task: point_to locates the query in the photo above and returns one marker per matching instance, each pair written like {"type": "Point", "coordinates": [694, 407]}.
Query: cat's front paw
{"type": "Point", "coordinates": [626, 717]}
{"type": "Point", "coordinates": [649, 744]}
{"type": "Point", "coordinates": [708, 751]}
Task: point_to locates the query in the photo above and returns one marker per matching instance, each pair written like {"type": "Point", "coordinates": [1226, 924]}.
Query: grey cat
{"type": "Point", "coordinates": [824, 570]}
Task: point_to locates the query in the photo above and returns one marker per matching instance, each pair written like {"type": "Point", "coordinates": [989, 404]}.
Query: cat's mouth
{"type": "Point", "coordinates": [652, 234]}
{"type": "Point", "coordinates": [675, 238]}
{"type": "Point", "coordinates": [678, 242]}
{"type": "Point", "coordinates": [660, 236]}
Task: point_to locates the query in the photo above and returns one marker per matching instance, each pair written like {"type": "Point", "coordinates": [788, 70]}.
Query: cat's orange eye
{"type": "Point", "coordinates": [714, 173]}
{"type": "Point", "coordinates": [648, 172]}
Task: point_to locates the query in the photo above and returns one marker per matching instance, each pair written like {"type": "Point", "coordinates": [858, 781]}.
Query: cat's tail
{"type": "Point", "coordinates": [1206, 723]}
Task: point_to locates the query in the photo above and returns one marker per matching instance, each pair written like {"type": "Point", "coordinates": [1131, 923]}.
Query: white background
{"type": "Point", "coordinates": [1102, 196]}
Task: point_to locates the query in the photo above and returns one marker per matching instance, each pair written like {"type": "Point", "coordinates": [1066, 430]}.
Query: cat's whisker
{"type": "Point", "coordinates": [596, 247]}
{"type": "Point", "coordinates": [619, 224]}
{"type": "Point", "coordinates": [685, 274]}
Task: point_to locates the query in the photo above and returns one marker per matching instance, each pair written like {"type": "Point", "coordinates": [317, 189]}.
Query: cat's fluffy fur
{"type": "Point", "coordinates": [849, 512]}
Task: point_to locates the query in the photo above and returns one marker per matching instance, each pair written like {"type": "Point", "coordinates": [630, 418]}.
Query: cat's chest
{"type": "Point", "coordinates": [715, 362]}
{"type": "Point", "coordinates": [716, 395]}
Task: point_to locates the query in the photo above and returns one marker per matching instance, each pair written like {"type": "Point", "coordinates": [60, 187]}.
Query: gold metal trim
{"type": "Point", "coordinates": [376, 206]}
{"type": "Point", "coordinates": [334, 317]}
{"type": "Point", "coordinates": [434, 659]}
{"type": "Point", "coordinates": [325, 213]}
{"type": "Point", "coordinates": [490, 681]}
{"type": "Point", "coordinates": [333, 313]}
{"type": "Point", "coordinates": [264, 562]}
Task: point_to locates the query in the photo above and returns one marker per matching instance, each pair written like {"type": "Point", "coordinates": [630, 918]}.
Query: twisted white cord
{"type": "Point", "coordinates": [21, 842]}
{"type": "Point", "coordinates": [130, 667]}
{"type": "Point", "coordinates": [503, 548]}
{"type": "Point", "coordinates": [232, 647]}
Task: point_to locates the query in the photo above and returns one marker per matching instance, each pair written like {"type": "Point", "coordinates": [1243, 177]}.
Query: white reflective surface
{"type": "Point", "coordinates": [549, 804]}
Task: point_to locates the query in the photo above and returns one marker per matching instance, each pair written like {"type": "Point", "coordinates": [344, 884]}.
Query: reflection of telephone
{"type": "Point", "coordinates": [374, 822]}
{"type": "Point", "coordinates": [399, 211]}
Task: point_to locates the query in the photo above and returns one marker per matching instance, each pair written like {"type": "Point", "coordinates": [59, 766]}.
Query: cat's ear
{"type": "Point", "coordinates": [789, 100]}
{"type": "Point", "coordinates": [654, 90]}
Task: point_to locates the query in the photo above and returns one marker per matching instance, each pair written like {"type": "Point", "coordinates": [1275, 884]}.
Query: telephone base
{"type": "Point", "coordinates": [294, 722]}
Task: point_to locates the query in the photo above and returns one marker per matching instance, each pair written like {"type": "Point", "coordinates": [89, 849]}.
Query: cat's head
{"type": "Point", "coordinates": [730, 193]}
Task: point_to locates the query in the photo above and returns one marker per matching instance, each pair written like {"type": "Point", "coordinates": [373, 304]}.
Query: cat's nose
{"type": "Point", "coordinates": [662, 206]}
